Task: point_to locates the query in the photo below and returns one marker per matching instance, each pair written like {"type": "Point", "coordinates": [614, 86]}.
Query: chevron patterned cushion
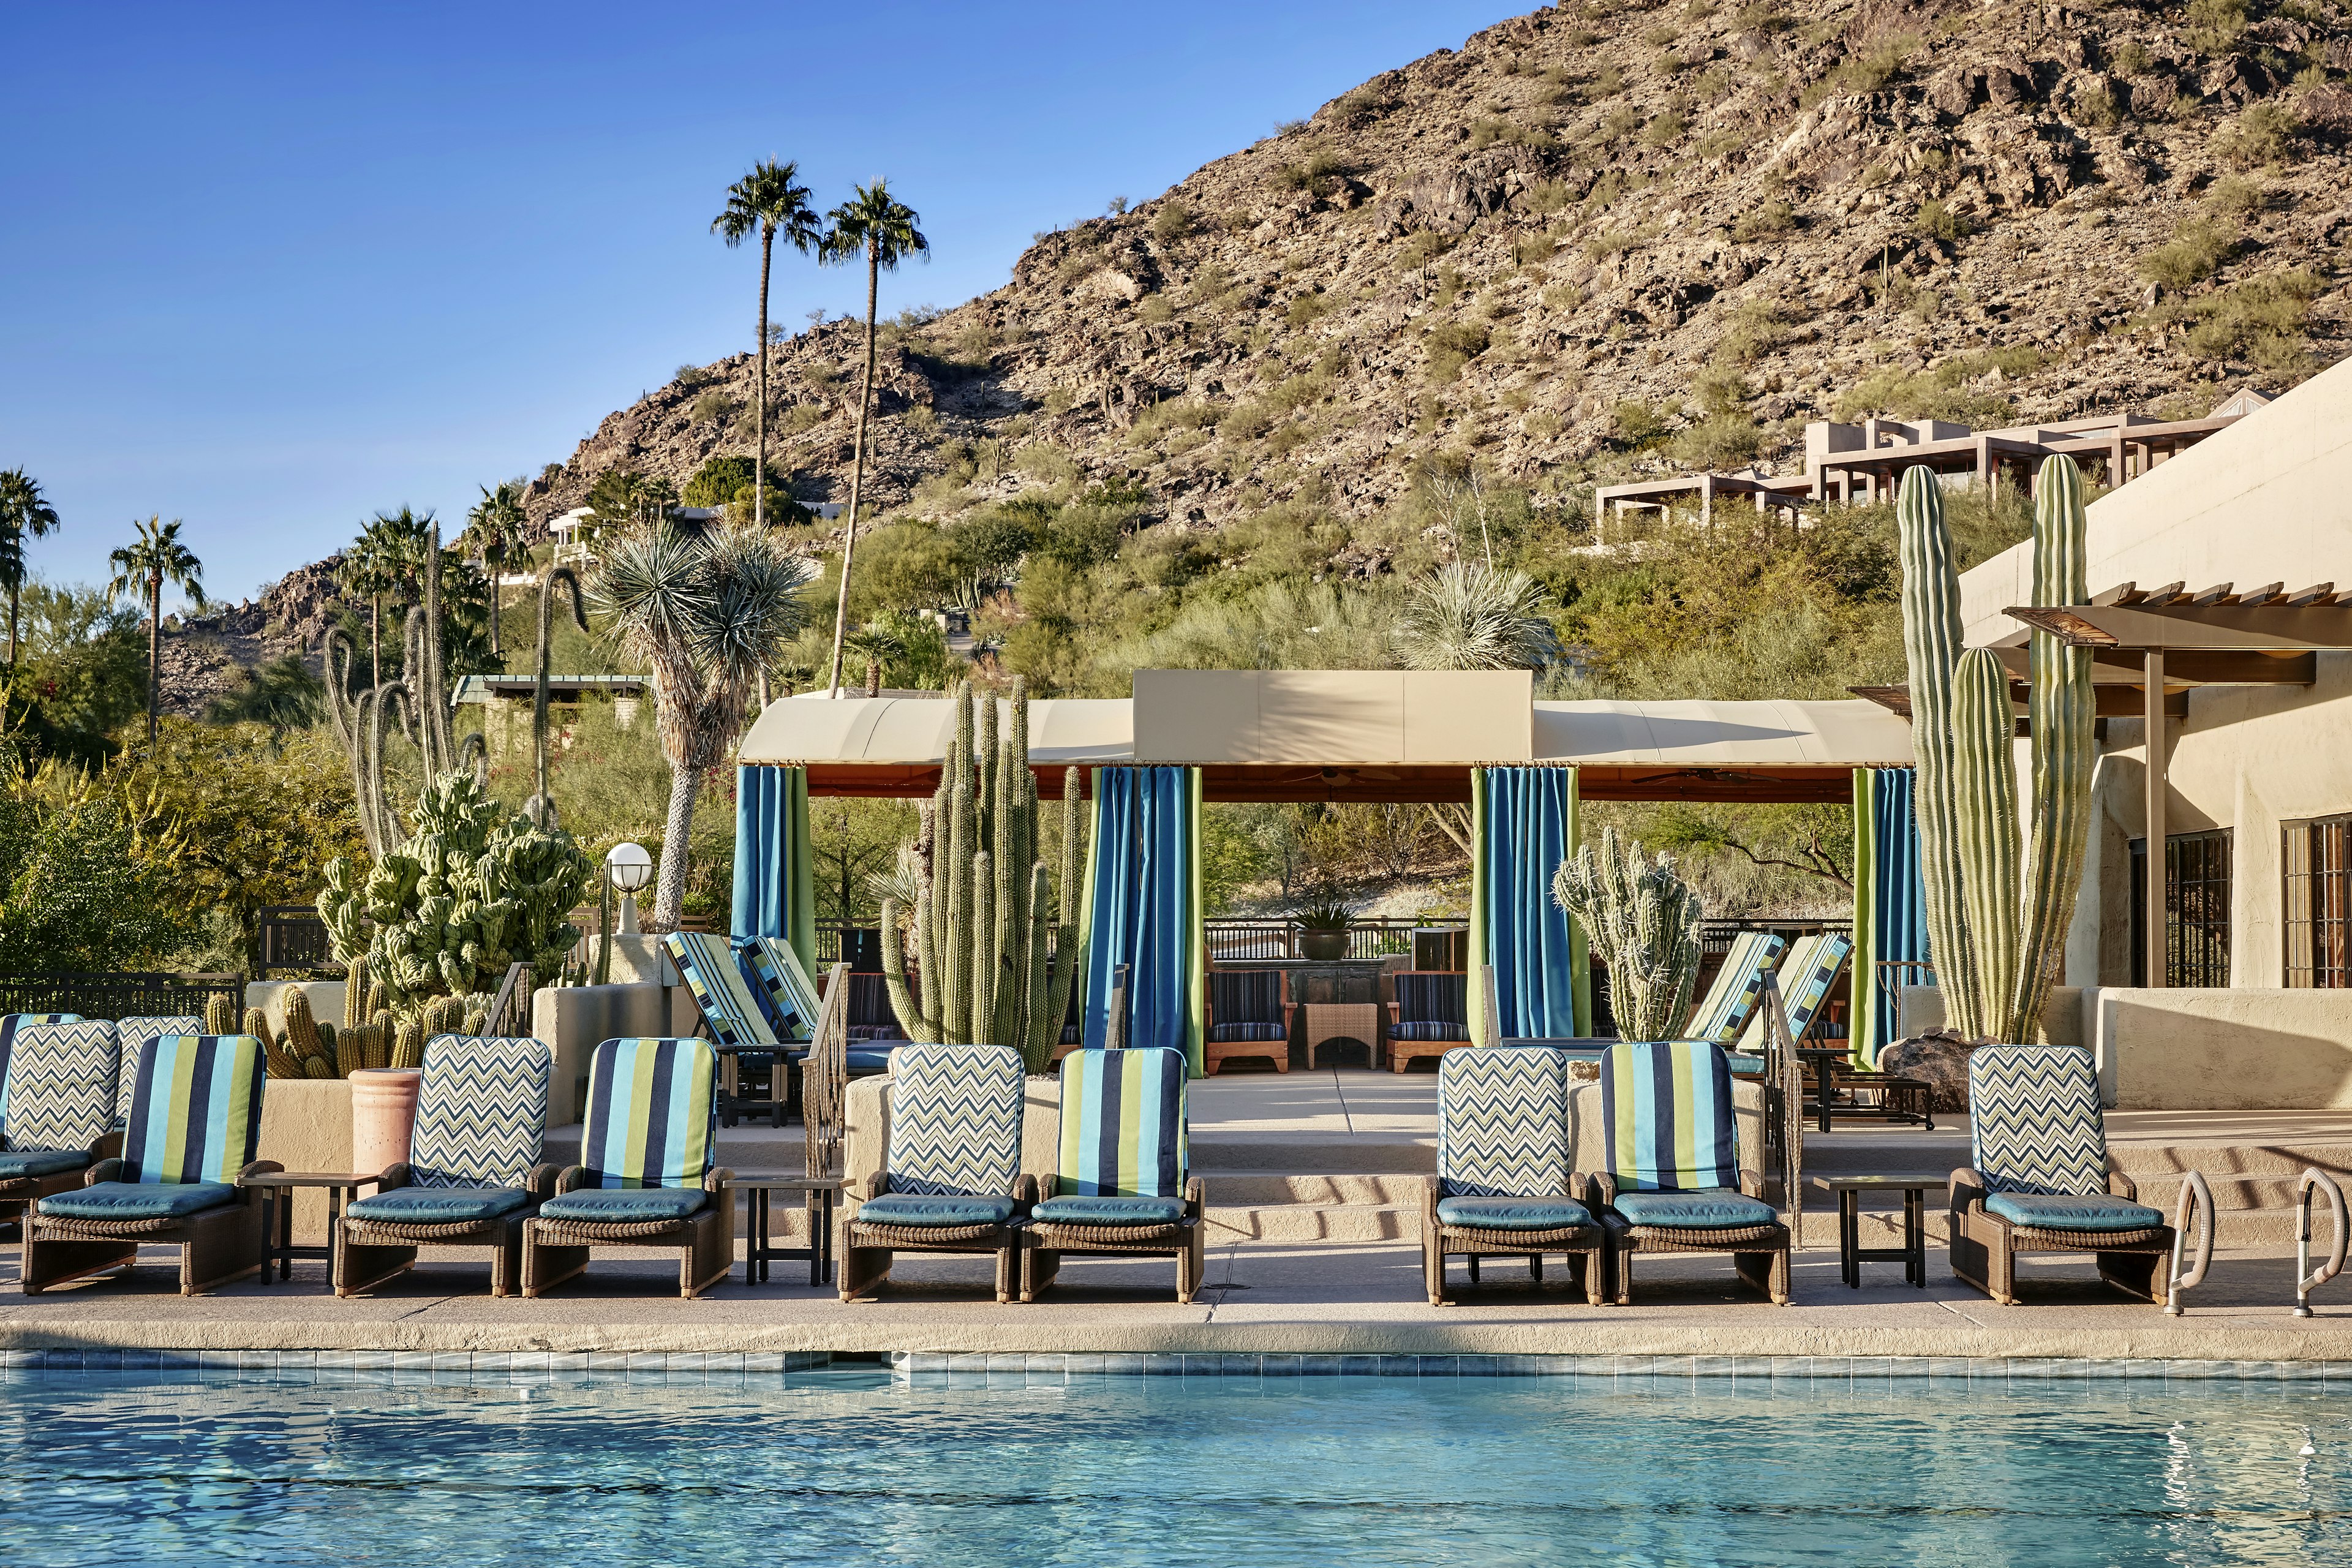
{"type": "Point", "coordinates": [787, 993]}
{"type": "Point", "coordinates": [1427, 1029]}
{"type": "Point", "coordinates": [2055, 1211]}
{"type": "Point", "coordinates": [1248, 998]}
{"type": "Point", "coordinates": [10, 1022]}
{"type": "Point", "coordinates": [58, 1095]}
{"type": "Point", "coordinates": [1807, 974]}
{"type": "Point", "coordinates": [955, 1121]}
{"type": "Point", "coordinates": [729, 1009]}
{"type": "Point", "coordinates": [1723, 1012]}
{"type": "Point", "coordinates": [1123, 1128]}
{"type": "Point", "coordinates": [133, 1033]}
{"type": "Point", "coordinates": [195, 1112]}
{"type": "Point", "coordinates": [1245, 1032]}
{"type": "Point", "coordinates": [1513, 1214]}
{"type": "Point", "coordinates": [23, 1165]}
{"type": "Point", "coordinates": [481, 1112]}
{"type": "Point", "coordinates": [1667, 1107]}
{"type": "Point", "coordinates": [1502, 1123]}
{"type": "Point", "coordinates": [2033, 1119]}
{"type": "Point", "coordinates": [439, 1206]}
{"type": "Point", "coordinates": [652, 1113]}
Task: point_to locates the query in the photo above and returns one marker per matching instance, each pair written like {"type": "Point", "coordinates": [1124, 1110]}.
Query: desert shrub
{"type": "Point", "coordinates": [1549, 197]}
{"type": "Point", "coordinates": [2262, 320]}
{"type": "Point", "coordinates": [1935, 220]}
{"type": "Point", "coordinates": [1666, 130]}
{"type": "Point", "coordinates": [2214, 25]}
{"type": "Point", "coordinates": [1172, 222]}
{"type": "Point", "coordinates": [1451, 346]}
{"type": "Point", "coordinates": [712, 406]}
{"type": "Point", "coordinates": [1639, 425]}
{"type": "Point", "coordinates": [1319, 172]}
{"type": "Point", "coordinates": [1722, 143]}
{"type": "Point", "coordinates": [2234, 195]}
{"type": "Point", "coordinates": [2260, 135]}
{"type": "Point", "coordinates": [805, 417]}
{"type": "Point", "coordinates": [1531, 249]}
{"type": "Point", "coordinates": [1773, 218]}
{"type": "Point", "coordinates": [1865, 72]}
{"type": "Point", "coordinates": [1608, 83]}
{"type": "Point", "coordinates": [1422, 248]}
{"type": "Point", "coordinates": [1307, 309]}
{"type": "Point", "coordinates": [1718, 441]}
{"type": "Point", "coordinates": [1046, 463]}
{"type": "Point", "coordinates": [2196, 251]}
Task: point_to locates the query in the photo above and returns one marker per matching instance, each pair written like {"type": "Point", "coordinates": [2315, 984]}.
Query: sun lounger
{"type": "Point", "coordinates": [1121, 1185]}
{"type": "Point", "coordinates": [795, 1001]}
{"type": "Point", "coordinates": [951, 1180]}
{"type": "Point", "coordinates": [57, 1108]}
{"type": "Point", "coordinates": [1506, 1185]}
{"type": "Point", "coordinates": [1723, 1012]}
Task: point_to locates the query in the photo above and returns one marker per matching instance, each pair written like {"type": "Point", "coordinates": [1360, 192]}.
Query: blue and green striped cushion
{"type": "Point", "coordinates": [652, 1113]}
{"type": "Point", "coordinates": [1807, 974]}
{"type": "Point", "coordinates": [1123, 1125]}
{"type": "Point", "coordinates": [195, 1109]}
{"type": "Point", "coordinates": [732, 1013]}
{"type": "Point", "coordinates": [1724, 1012]}
{"type": "Point", "coordinates": [1667, 1107]}
{"type": "Point", "coordinates": [11, 1022]}
{"type": "Point", "coordinates": [785, 990]}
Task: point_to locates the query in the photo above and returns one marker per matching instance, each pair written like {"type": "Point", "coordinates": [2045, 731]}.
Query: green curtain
{"type": "Point", "coordinates": [1523, 824]}
{"type": "Point", "coordinates": [1861, 1012]}
{"type": "Point", "coordinates": [775, 871]}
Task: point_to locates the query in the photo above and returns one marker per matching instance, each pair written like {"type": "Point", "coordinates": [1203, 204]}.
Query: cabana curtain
{"type": "Point", "coordinates": [1143, 908]}
{"type": "Point", "coordinates": [1523, 825]}
{"type": "Point", "coordinates": [1890, 901]}
{"type": "Point", "coordinates": [775, 873]}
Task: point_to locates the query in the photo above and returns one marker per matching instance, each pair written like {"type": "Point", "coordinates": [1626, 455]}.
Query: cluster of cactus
{"type": "Point", "coordinates": [1643, 920]}
{"type": "Point", "coordinates": [371, 1035]}
{"type": "Point", "coordinates": [1998, 908]}
{"type": "Point", "coordinates": [995, 958]}
{"type": "Point", "coordinates": [475, 888]}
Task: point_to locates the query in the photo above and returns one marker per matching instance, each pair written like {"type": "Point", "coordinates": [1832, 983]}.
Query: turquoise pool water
{"type": "Point", "coordinates": [850, 1467]}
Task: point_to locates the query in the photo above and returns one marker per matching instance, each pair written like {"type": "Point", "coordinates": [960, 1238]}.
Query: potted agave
{"type": "Point", "coordinates": [1323, 930]}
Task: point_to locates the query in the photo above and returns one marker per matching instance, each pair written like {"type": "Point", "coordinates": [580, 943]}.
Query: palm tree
{"type": "Point", "coordinates": [497, 527]}
{"type": "Point", "coordinates": [704, 612]}
{"type": "Point", "coordinates": [24, 513]}
{"type": "Point", "coordinates": [872, 224]}
{"type": "Point", "coordinates": [768, 202]}
{"type": "Point", "coordinates": [387, 558]}
{"type": "Point", "coordinates": [876, 642]}
{"type": "Point", "coordinates": [143, 567]}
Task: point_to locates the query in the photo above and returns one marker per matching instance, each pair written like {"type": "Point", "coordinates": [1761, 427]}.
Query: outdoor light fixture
{"type": "Point", "coordinates": [628, 868]}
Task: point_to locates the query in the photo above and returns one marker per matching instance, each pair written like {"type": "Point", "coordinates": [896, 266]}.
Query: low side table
{"type": "Point", "coordinates": [1328, 1021]}
{"type": "Point", "coordinates": [277, 1211]}
{"type": "Point", "coordinates": [759, 1247]}
{"type": "Point", "coordinates": [1912, 1254]}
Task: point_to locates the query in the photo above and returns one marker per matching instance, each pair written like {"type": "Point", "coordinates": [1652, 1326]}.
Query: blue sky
{"type": "Point", "coordinates": [270, 269]}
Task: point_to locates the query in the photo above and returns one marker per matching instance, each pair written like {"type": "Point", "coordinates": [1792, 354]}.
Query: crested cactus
{"type": "Point", "coordinates": [1996, 933]}
{"type": "Point", "coordinates": [994, 960]}
{"type": "Point", "coordinates": [1645, 918]}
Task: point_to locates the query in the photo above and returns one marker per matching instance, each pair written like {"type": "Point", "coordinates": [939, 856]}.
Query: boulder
{"type": "Point", "coordinates": [1938, 1058]}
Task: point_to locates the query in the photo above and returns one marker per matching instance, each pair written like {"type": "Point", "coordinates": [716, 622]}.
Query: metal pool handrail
{"type": "Point", "coordinates": [2197, 1196]}
{"type": "Point", "coordinates": [2307, 1278]}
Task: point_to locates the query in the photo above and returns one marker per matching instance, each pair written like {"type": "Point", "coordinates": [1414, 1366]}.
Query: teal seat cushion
{"type": "Point", "coordinates": [2096, 1212]}
{"type": "Point", "coordinates": [1713, 1208]}
{"type": "Point", "coordinates": [916, 1209]}
{"type": "Point", "coordinates": [439, 1206]}
{"type": "Point", "coordinates": [1106, 1210]}
{"type": "Point", "coordinates": [869, 1061]}
{"type": "Point", "coordinates": [1743, 1065]}
{"type": "Point", "coordinates": [138, 1200]}
{"type": "Point", "coordinates": [625, 1205]}
{"type": "Point", "coordinates": [1513, 1214]}
{"type": "Point", "coordinates": [22, 1164]}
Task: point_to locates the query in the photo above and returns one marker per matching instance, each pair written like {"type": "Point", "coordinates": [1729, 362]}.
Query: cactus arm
{"type": "Point", "coordinates": [1984, 777]}
{"type": "Point", "coordinates": [2062, 709]}
{"type": "Point", "coordinates": [1931, 646]}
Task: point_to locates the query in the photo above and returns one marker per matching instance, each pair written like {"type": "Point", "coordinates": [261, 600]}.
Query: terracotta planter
{"type": "Point", "coordinates": [383, 1114]}
{"type": "Point", "coordinates": [1323, 945]}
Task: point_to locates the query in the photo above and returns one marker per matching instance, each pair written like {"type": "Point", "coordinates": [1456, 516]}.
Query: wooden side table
{"type": "Point", "coordinates": [1912, 1254]}
{"type": "Point", "coordinates": [277, 1212]}
{"type": "Point", "coordinates": [759, 1247]}
{"type": "Point", "coordinates": [1328, 1020]}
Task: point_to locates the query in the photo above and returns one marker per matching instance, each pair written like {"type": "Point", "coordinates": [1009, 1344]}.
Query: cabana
{"type": "Point", "coordinates": [1192, 737]}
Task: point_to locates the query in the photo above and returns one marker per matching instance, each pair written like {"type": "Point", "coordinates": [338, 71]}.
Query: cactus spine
{"type": "Point", "coordinates": [220, 1015]}
{"type": "Point", "coordinates": [995, 963]}
{"type": "Point", "coordinates": [1997, 937]}
{"type": "Point", "coordinates": [1645, 918]}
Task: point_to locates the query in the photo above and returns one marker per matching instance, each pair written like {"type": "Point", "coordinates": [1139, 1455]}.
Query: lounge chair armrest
{"type": "Point", "coordinates": [871, 1185]}
{"type": "Point", "coordinates": [1751, 1183]}
{"type": "Point", "coordinates": [1024, 1193]}
{"type": "Point", "coordinates": [104, 1171]}
{"type": "Point", "coordinates": [1968, 1191]}
{"type": "Point", "coordinates": [400, 1173]}
{"type": "Point", "coordinates": [571, 1178]}
{"type": "Point", "coordinates": [1432, 1189]}
{"type": "Point", "coordinates": [2120, 1184]}
{"type": "Point", "coordinates": [715, 1179]}
{"type": "Point", "coordinates": [540, 1182]}
{"type": "Point", "coordinates": [1604, 1187]}
{"type": "Point", "coordinates": [1046, 1186]}
{"type": "Point", "coordinates": [1196, 1197]}
{"type": "Point", "coordinates": [107, 1147]}
{"type": "Point", "coordinates": [253, 1195]}
{"type": "Point", "coordinates": [1392, 1014]}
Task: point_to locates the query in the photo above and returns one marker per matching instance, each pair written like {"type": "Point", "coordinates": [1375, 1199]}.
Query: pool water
{"type": "Point", "coordinates": [851, 1467]}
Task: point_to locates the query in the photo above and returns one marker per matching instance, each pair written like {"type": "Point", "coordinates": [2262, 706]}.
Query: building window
{"type": "Point", "coordinates": [2196, 910]}
{"type": "Point", "coordinates": [2317, 855]}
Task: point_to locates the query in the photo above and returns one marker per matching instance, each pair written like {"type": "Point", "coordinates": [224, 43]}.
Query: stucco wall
{"type": "Point", "coordinates": [2244, 1048]}
{"type": "Point", "coordinates": [306, 1125]}
{"type": "Point", "coordinates": [575, 1019]}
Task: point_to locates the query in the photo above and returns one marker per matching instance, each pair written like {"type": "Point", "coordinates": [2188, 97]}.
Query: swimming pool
{"type": "Point", "coordinates": [852, 1465]}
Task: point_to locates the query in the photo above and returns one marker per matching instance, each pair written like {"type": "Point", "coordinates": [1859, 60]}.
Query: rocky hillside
{"type": "Point", "coordinates": [1598, 238]}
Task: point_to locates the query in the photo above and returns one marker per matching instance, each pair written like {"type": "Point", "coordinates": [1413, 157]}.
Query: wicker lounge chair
{"type": "Point", "coordinates": [646, 1176]}
{"type": "Point", "coordinates": [795, 1001]}
{"type": "Point", "coordinates": [2043, 1180]}
{"type": "Point", "coordinates": [132, 1034]}
{"type": "Point", "coordinates": [473, 1175]}
{"type": "Point", "coordinates": [1122, 1184]}
{"type": "Point", "coordinates": [1249, 1017]}
{"type": "Point", "coordinates": [194, 1122]}
{"type": "Point", "coordinates": [1504, 1185]}
{"type": "Point", "coordinates": [1723, 1012]}
{"type": "Point", "coordinates": [951, 1180]}
{"type": "Point", "coordinates": [1430, 1017]}
{"type": "Point", "coordinates": [57, 1110]}
{"type": "Point", "coordinates": [1674, 1183]}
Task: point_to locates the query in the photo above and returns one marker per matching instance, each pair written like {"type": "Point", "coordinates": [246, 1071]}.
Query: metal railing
{"type": "Point", "coordinates": [1231, 940]}
{"type": "Point", "coordinates": [293, 937]}
{"type": "Point", "coordinates": [126, 995]}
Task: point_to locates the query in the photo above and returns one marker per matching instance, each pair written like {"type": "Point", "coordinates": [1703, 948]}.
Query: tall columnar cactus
{"type": "Point", "coordinates": [1644, 919]}
{"type": "Point", "coordinates": [994, 960]}
{"type": "Point", "coordinates": [1997, 935]}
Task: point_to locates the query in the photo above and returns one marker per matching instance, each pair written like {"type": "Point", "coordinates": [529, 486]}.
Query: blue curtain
{"type": "Point", "coordinates": [1898, 912]}
{"type": "Point", "coordinates": [1525, 825]}
{"type": "Point", "coordinates": [775, 871]}
{"type": "Point", "coordinates": [1143, 907]}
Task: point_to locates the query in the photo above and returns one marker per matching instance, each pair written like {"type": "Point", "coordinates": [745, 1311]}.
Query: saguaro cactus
{"type": "Point", "coordinates": [995, 961]}
{"type": "Point", "coordinates": [1997, 936]}
{"type": "Point", "coordinates": [1645, 918]}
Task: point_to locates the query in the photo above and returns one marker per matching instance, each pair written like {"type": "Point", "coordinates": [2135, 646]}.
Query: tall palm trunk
{"type": "Point", "coordinates": [498, 608]}
{"type": "Point", "coordinates": [12, 632]}
{"type": "Point", "coordinates": [858, 471]}
{"type": "Point", "coordinates": [760, 415]}
{"type": "Point", "coordinates": [670, 883]}
{"type": "Point", "coordinates": [375, 639]}
{"type": "Point", "coordinates": [154, 648]}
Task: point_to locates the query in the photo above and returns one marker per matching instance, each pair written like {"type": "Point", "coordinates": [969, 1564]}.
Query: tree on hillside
{"type": "Point", "coordinates": [388, 558]}
{"type": "Point", "coordinates": [24, 513]}
{"type": "Point", "coordinates": [155, 558]}
{"type": "Point", "coordinates": [874, 225]}
{"type": "Point", "coordinates": [623, 498]}
{"type": "Point", "coordinates": [496, 529]}
{"type": "Point", "coordinates": [706, 613]}
{"type": "Point", "coordinates": [767, 202]}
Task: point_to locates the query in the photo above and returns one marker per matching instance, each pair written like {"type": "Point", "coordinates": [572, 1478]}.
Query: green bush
{"type": "Point", "coordinates": [2264, 320]}
{"type": "Point", "coordinates": [1773, 218]}
{"type": "Point", "coordinates": [2260, 135]}
{"type": "Point", "coordinates": [1640, 424]}
{"type": "Point", "coordinates": [1935, 220]}
{"type": "Point", "coordinates": [1451, 346]}
{"type": "Point", "coordinates": [2197, 250]}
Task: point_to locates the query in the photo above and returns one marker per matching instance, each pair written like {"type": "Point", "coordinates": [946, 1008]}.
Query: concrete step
{"type": "Point", "coordinates": [1323, 1155]}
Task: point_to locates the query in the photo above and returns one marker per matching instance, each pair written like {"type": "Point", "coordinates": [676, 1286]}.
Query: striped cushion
{"type": "Point", "coordinates": [1123, 1126]}
{"type": "Point", "coordinates": [729, 1010]}
{"type": "Point", "coordinates": [58, 1094]}
{"type": "Point", "coordinates": [1502, 1123]}
{"type": "Point", "coordinates": [1724, 1012]}
{"type": "Point", "coordinates": [1806, 976]}
{"type": "Point", "coordinates": [1433, 996]}
{"type": "Point", "coordinates": [2034, 1124]}
{"type": "Point", "coordinates": [652, 1113]}
{"type": "Point", "coordinates": [481, 1112]}
{"type": "Point", "coordinates": [870, 1008]}
{"type": "Point", "coordinates": [1247, 1032]}
{"type": "Point", "coordinates": [195, 1109]}
{"type": "Point", "coordinates": [1667, 1107]}
{"type": "Point", "coordinates": [1246, 996]}
{"type": "Point", "coordinates": [786, 994]}
{"type": "Point", "coordinates": [1428, 1030]}
{"type": "Point", "coordinates": [955, 1121]}
{"type": "Point", "coordinates": [11, 1022]}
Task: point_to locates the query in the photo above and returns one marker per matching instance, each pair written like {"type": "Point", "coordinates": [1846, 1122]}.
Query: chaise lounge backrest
{"type": "Point", "coordinates": [1667, 1108]}
{"type": "Point", "coordinates": [871, 1015]}
{"type": "Point", "coordinates": [481, 1112]}
{"type": "Point", "coordinates": [1503, 1123]}
{"type": "Point", "coordinates": [955, 1121]}
{"type": "Point", "coordinates": [132, 1033]}
{"type": "Point", "coordinates": [1123, 1127]}
{"type": "Point", "coordinates": [729, 1009]}
{"type": "Point", "coordinates": [2034, 1123]}
{"type": "Point", "coordinates": [196, 1110]}
{"type": "Point", "coordinates": [1811, 967]}
{"type": "Point", "coordinates": [1730, 1000]}
{"type": "Point", "coordinates": [1432, 1004]}
{"type": "Point", "coordinates": [652, 1113]}
{"type": "Point", "coordinates": [789, 997]}
{"type": "Point", "coordinates": [57, 1094]}
{"type": "Point", "coordinates": [11, 1025]}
